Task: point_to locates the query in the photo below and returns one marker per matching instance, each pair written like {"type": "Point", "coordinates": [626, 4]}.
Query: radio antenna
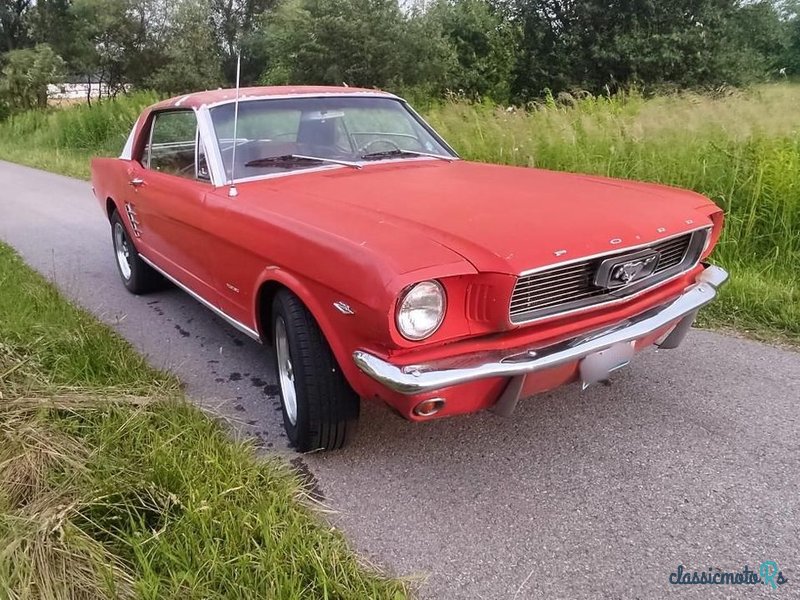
{"type": "Point", "coordinates": [233, 192]}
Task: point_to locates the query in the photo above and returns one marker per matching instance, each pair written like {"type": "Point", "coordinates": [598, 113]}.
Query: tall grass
{"type": "Point", "coordinates": [63, 140]}
{"type": "Point", "coordinates": [741, 148]}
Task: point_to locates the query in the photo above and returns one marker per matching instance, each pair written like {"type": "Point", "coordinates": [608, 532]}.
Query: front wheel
{"type": "Point", "coordinates": [320, 409]}
{"type": "Point", "coordinates": [137, 276]}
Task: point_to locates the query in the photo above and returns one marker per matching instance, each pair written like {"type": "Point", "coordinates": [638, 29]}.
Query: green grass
{"type": "Point", "coordinates": [112, 486]}
{"type": "Point", "coordinates": [741, 148]}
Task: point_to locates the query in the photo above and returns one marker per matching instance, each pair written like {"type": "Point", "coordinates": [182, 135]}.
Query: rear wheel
{"type": "Point", "coordinates": [320, 409]}
{"type": "Point", "coordinates": [137, 276]}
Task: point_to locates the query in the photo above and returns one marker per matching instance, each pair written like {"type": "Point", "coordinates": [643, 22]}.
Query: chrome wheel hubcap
{"type": "Point", "coordinates": [285, 371]}
{"type": "Point", "coordinates": [123, 251]}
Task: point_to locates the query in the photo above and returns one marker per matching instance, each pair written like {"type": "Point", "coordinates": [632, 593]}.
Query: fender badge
{"type": "Point", "coordinates": [344, 308]}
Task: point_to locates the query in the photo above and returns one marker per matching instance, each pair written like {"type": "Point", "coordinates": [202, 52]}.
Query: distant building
{"type": "Point", "coordinates": [76, 91]}
{"type": "Point", "coordinates": [81, 88]}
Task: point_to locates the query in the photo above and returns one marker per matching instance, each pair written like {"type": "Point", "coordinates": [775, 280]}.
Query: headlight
{"type": "Point", "coordinates": [420, 310]}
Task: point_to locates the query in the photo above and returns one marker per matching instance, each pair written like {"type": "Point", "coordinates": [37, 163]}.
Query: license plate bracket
{"type": "Point", "coordinates": [599, 366]}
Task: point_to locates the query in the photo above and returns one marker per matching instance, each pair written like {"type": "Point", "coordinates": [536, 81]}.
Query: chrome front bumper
{"type": "Point", "coordinates": [416, 379]}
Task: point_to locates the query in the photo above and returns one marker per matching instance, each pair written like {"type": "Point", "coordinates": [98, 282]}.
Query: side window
{"type": "Point", "coordinates": [172, 147]}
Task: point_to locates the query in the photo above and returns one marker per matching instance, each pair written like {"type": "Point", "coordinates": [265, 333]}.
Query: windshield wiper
{"type": "Point", "coordinates": [289, 159]}
{"type": "Point", "coordinates": [401, 153]}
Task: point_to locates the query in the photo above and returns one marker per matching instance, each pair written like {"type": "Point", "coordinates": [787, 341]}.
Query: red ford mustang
{"type": "Point", "coordinates": [335, 224]}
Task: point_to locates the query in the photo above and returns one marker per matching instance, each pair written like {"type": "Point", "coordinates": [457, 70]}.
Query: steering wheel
{"type": "Point", "coordinates": [363, 149]}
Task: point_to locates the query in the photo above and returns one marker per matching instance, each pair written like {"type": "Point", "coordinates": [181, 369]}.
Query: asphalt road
{"type": "Point", "coordinates": [689, 456]}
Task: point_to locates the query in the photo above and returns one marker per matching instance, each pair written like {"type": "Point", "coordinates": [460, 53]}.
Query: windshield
{"type": "Point", "coordinates": [275, 136]}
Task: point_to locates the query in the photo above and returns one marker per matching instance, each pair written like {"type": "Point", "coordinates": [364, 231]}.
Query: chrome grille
{"type": "Point", "coordinates": [672, 252]}
{"type": "Point", "coordinates": [571, 286]}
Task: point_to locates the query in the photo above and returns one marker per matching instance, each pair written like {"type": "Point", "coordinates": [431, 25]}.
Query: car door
{"type": "Point", "coordinates": [170, 183]}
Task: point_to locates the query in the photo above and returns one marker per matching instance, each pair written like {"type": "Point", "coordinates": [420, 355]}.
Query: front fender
{"type": "Point", "coordinates": [343, 332]}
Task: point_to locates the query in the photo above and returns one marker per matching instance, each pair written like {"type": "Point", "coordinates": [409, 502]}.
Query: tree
{"type": "Point", "coordinates": [192, 60]}
{"type": "Point", "coordinates": [501, 49]}
{"type": "Point", "coordinates": [235, 25]}
{"type": "Point", "coordinates": [792, 58]}
{"type": "Point", "coordinates": [13, 24]}
{"type": "Point", "coordinates": [336, 41]}
{"type": "Point", "coordinates": [595, 44]}
{"type": "Point", "coordinates": [51, 24]}
{"type": "Point", "coordinates": [762, 35]}
{"type": "Point", "coordinates": [790, 15]}
{"type": "Point", "coordinates": [368, 43]}
{"type": "Point", "coordinates": [27, 73]}
{"type": "Point", "coordinates": [427, 59]}
{"type": "Point", "coordinates": [110, 40]}
{"type": "Point", "coordinates": [484, 44]}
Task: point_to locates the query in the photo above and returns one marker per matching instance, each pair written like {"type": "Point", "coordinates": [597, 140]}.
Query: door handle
{"type": "Point", "coordinates": [137, 182]}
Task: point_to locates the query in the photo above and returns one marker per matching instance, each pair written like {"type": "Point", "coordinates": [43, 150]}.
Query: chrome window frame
{"type": "Point", "coordinates": [148, 148]}
{"type": "Point", "coordinates": [213, 155]}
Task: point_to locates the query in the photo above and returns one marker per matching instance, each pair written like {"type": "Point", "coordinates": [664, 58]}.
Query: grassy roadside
{"type": "Point", "coordinates": [742, 149]}
{"type": "Point", "coordinates": [64, 140]}
{"type": "Point", "coordinates": [111, 486]}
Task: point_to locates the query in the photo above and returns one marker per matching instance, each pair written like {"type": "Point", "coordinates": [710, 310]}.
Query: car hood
{"type": "Point", "coordinates": [499, 218]}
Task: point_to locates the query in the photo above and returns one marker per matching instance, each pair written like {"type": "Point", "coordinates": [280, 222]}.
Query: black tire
{"type": "Point", "coordinates": [326, 407]}
{"type": "Point", "coordinates": [140, 278]}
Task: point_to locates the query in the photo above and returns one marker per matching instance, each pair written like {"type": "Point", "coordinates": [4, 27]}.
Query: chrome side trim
{"type": "Point", "coordinates": [416, 379]}
{"type": "Point", "coordinates": [217, 311]}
